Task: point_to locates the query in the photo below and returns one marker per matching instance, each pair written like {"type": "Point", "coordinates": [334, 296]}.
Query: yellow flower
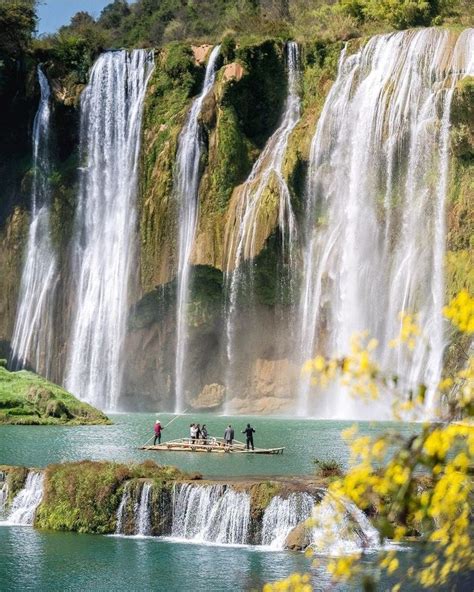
{"type": "Point", "coordinates": [460, 311]}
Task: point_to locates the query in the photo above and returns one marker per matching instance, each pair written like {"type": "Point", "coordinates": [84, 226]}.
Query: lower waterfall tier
{"type": "Point", "coordinates": [147, 500]}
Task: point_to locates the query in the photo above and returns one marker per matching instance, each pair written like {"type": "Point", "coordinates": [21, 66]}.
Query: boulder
{"type": "Point", "coordinates": [201, 52]}
{"type": "Point", "coordinates": [299, 538]}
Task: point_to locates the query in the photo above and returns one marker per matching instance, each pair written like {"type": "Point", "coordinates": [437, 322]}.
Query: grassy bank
{"type": "Point", "coordinates": [29, 399]}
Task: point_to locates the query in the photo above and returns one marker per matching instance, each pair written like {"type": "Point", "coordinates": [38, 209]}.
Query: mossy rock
{"type": "Point", "coordinates": [84, 496]}
{"type": "Point", "coordinates": [261, 494]}
{"type": "Point", "coordinates": [174, 82]}
{"type": "Point", "coordinates": [16, 477]}
{"type": "Point", "coordinates": [58, 409]}
{"type": "Point", "coordinates": [29, 399]}
{"type": "Point", "coordinates": [462, 119]}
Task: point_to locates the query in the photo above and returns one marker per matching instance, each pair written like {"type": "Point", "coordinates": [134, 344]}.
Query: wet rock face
{"type": "Point", "coordinates": [211, 397]}
{"type": "Point", "coordinates": [462, 119]}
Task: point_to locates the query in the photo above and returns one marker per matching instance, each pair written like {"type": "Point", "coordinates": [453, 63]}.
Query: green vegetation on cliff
{"type": "Point", "coordinates": [175, 79]}
{"type": "Point", "coordinates": [29, 399]}
{"type": "Point", "coordinates": [84, 496]}
{"type": "Point", "coordinates": [148, 23]}
{"type": "Point", "coordinates": [460, 238]}
{"type": "Point", "coordinates": [15, 479]}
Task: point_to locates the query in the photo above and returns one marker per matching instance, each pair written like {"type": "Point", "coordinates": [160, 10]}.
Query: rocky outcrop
{"type": "Point", "coordinates": [233, 71]}
{"type": "Point", "coordinates": [211, 397]}
{"type": "Point", "coordinates": [29, 399]}
{"type": "Point", "coordinates": [201, 53]}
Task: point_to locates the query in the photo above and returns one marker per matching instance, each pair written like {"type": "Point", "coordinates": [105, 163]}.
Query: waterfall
{"type": "Point", "coordinates": [282, 515]}
{"type": "Point", "coordinates": [24, 505]}
{"type": "Point", "coordinates": [105, 225]}
{"type": "Point", "coordinates": [211, 514]}
{"type": "Point", "coordinates": [31, 344]}
{"type": "Point", "coordinates": [341, 528]}
{"type": "Point", "coordinates": [241, 236]}
{"type": "Point", "coordinates": [186, 190]}
{"type": "Point", "coordinates": [3, 496]}
{"type": "Point", "coordinates": [142, 521]}
{"type": "Point", "coordinates": [375, 229]}
{"type": "Point", "coordinates": [122, 509]}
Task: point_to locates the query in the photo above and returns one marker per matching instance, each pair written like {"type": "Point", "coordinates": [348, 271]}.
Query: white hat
{"type": "Point", "coordinates": [157, 421]}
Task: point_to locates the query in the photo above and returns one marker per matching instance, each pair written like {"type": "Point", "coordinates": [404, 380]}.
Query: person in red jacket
{"type": "Point", "coordinates": [158, 430]}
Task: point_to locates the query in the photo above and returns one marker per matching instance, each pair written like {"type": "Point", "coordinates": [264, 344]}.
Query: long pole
{"type": "Point", "coordinates": [169, 423]}
{"type": "Point", "coordinates": [176, 417]}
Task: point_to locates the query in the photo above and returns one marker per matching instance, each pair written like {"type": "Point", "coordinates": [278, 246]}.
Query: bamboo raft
{"type": "Point", "coordinates": [210, 445]}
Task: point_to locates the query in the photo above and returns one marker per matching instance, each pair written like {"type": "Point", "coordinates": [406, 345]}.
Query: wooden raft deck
{"type": "Point", "coordinates": [212, 445]}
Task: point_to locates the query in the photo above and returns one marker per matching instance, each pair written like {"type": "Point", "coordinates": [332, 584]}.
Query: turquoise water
{"type": "Point", "coordinates": [66, 561]}
{"type": "Point", "coordinates": [32, 560]}
{"type": "Point", "coordinates": [55, 561]}
{"type": "Point", "coordinates": [304, 440]}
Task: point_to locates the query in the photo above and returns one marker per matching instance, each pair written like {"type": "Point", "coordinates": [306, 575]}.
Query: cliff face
{"type": "Point", "coordinates": [238, 116]}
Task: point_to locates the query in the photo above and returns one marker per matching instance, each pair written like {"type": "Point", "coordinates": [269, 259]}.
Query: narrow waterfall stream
{"type": "Point", "coordinates": [31, 344]}
{"type": "Point", "coordinates": [3, 496]}
{"type": "Point", "coordinates": [241, 240]}
{"type": "Point", "coordinates": [143, 511]}
{"type": "Point", "coordinates": [105, 226]}
{"type": "Point", "coordinates": [121, 510]}
{"type": "Point", "coordinates": [23, 508]}
{"type": "Point", "coordinates": [186, 191]}
{"type": "Point", "coordinates": [377, 185]}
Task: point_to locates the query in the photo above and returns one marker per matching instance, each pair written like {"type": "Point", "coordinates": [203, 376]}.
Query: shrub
{"type": "Point", "coordinates": [328, 468]}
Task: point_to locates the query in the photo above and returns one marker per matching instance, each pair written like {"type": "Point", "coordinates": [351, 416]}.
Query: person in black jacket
{"type": "Point", "coordinates": [249, 432]}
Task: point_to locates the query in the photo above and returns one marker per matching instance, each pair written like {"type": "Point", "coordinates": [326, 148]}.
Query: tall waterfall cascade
{"type": "Point", "coordinates": [374, 240]}
{"type": "Point", "coordinates": [105, 225]}
{"type": "Point", "coordinates": [186, 191]}
{"type": "Point", "coordinates": [25, 503]}
{"type": "Point", "coordinates": [241, 233]}
{"type": "Point", "coordinates": [31, 344]}
{"type": "Point", "coordinates": [241, 236]}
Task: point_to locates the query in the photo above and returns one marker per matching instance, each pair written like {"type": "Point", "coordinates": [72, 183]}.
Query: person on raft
{"type": "Point", "coordinates": [229, 435]}
{"type": "Point", "coordinates": [158, 429]}
{"type": "Point", "coordinates": [249, 432]}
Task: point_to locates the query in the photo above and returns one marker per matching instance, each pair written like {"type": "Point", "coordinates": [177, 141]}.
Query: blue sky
{"type": "Point", "coordinates": [55, 13]}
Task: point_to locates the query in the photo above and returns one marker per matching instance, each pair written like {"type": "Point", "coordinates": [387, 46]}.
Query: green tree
{"type": "Point", "coordinates": [113, 14]}
{"type": "Point", "coordinates": [17, 25]}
